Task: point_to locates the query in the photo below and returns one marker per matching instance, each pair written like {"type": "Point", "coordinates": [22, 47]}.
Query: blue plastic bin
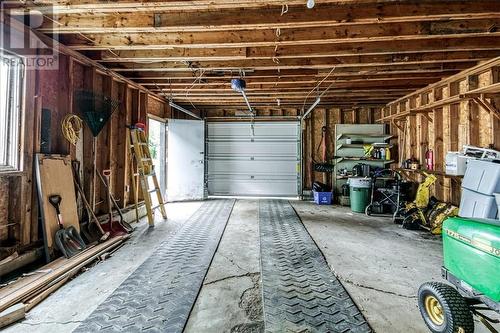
{"type": "Point", "coordinates": [323, 198]}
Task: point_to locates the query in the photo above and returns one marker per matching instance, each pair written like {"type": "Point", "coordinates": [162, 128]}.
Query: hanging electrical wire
{"type": "Point", "coordinates": [71, 127]}
{"type": "Point", "coordinates": [317, 87]}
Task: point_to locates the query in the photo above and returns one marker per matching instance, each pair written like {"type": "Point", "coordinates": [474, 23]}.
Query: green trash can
{"type": "Point", "coordinates": [360, 188]}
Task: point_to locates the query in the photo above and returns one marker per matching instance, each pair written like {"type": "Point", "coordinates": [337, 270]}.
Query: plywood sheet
{"type": "Point", "coordinates": [54, 176]}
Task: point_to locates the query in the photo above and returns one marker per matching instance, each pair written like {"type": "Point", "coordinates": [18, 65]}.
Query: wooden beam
{"type": "Point", "coordinates": [481, 67]}
{"type": "Point", "coordinates": [271, 18]}
{"type": "Point", "coordinates": [286, 75]}
{"type": "Point", "coordinates": [487, 106]}
{"type": "Point", "coordinates": [98, 6]}
{"type": "Point", "coordinates": [194, 55]}
{"type": "Point", "coordinates": [250, 38]}
{"type": "Point", "coordinates": [314, 63]}
{"type": "Point", "coordinates": [283, 85]}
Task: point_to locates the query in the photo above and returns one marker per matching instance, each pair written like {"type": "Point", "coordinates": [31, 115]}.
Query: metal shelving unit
{"type": "Point", "coordinates": [350, 154]}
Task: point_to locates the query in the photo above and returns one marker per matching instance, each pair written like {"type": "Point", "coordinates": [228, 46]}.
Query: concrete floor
{"type": "Point", "coordinates": [380, 264]}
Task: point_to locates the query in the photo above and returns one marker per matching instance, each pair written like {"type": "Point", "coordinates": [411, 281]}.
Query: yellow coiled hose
{"type": "Point", "coordinates": [71, 127]}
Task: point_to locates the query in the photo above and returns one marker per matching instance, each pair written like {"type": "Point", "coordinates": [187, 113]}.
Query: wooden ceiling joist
{"type": "Point", "coordinates": [447, 92]}
{"type": "Point", "coordinates": [240, 54]}
{"type": "Point", "coordinates": [381, 49]}
{"type": "Point", "coordinates": [370, 8]}
{"type": "Point", "coordinates": [316, 63]}
{"type": "Point", "coordinates": [271, 18]}
{"type": "Point", "coordinates": [252, 38]}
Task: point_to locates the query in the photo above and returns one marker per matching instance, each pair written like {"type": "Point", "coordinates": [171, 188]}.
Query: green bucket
{"type": "Point", "coordinates": [360, 193]}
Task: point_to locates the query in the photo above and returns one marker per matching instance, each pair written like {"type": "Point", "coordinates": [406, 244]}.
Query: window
{"type": "Point", "coordinates": [11, 84]}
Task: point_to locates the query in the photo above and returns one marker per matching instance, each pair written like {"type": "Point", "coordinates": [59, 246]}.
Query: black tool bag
{"type": "Point", "coordinates": [320, 187]}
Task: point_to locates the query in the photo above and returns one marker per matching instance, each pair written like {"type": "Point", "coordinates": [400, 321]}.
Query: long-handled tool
{"type": "Point", "coordinates": [114, 227]}
{"type": "Point", "coordinates": [68, 240]}
{"type": "Point", "coordinates": [106, 183]}
{"type": "Point", "coordinates": [93, 220]}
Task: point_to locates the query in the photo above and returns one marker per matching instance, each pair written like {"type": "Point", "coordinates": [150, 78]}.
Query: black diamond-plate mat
{"type": "Point", "coordinates": [159, 295]}
{"type": "Point", "coordinates": [301, 293]}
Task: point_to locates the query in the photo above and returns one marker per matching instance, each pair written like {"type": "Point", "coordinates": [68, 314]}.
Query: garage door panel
{"type": "Point", "coordinates": [253, 167]}
{"type": "Point", "coordinates": [254, 188]}
{"type": "Point", "coordinates": [247, 148]}
{"type": "Point", "coordinates": [259, 161]}
{"type": "Point", "coordinates": [260, 130]}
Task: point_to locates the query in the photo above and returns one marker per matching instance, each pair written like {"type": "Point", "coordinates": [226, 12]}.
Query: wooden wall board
{"type": "Point", "coordinates": [455, 118]}
{"type": "Point", "coordinates": [53, 90]}
{"type": "Point", "coordinates": [55, 177]}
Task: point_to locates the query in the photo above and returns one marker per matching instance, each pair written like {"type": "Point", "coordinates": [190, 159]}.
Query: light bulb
{"type": "Point", "coordinates": [310, 4]}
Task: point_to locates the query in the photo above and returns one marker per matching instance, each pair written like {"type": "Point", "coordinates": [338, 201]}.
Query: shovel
{"type": "Point", "coordinates": [68, 240]}
{"type": "Point", "coordinates": [92, 230]}
{"type": "Point", "coordinates": [123, 224]}
{"type": "Point", "coordinates": [113, 227]}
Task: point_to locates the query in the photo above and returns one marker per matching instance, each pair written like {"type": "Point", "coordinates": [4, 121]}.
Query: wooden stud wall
{"type": "Point", "coordinates": [460, 110]}
{"type": "Point", "coordinates": [53, 90]}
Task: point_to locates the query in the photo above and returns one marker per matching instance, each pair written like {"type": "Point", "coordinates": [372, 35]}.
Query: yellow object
{"type": "Point", "coordinates": [438, 214]}
{"type": "Point", "coordinates": [434, 309]}
{"type": "Point", "coordinates": [423, 191]}
{"type": "Point", "coordinates": [141, 154]}
{"type": "Point", "coordinates": [387, 154]}
{"type": "Point", "coordinates": [368, 150]}
{"type": "Point", "coordinates": [71, 127]}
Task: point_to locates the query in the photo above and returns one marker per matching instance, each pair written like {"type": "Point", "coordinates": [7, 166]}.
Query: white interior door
{"type": "Point", "coordinates": [186, 160]}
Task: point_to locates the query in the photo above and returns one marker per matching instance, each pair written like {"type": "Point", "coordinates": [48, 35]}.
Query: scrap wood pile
{"type": "Point", "coordinates": [22, 295]}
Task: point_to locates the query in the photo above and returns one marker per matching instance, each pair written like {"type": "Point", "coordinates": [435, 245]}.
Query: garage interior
{"type": "Point", "coordinates": [250, 166]}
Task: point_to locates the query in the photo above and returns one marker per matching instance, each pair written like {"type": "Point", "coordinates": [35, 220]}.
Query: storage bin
{"type": "Point", "coordinates": [323, 198]}
{"type": "Point", "coordinates": [360, 188]}
{"type": "Point", "coordinates": [482, 176]}
{"type": "Point", "coordinates": [477, 205]}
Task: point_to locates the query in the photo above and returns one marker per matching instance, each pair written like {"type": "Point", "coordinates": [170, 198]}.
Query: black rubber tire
{"type": "Point", "coordinates": [368, 210]}
{"type": "Point", "coordinates": [457, 314]}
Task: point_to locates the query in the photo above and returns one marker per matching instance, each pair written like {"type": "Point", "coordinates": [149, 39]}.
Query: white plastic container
{"type": "Point", "coordinates": [482, 176]}
{"type": "Point", "coordinates": [474, 204]}
{"type": "Point", "coordinates": [456, 163]}
{"type": "Point", "coordinates": [360, 182]}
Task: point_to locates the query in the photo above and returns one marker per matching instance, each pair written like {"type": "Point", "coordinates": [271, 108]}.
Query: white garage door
{"type": "Point", "coordinates": [262, 159]}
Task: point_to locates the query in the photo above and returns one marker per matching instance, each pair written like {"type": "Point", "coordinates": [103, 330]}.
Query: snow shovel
{"type": "Point", "coordinates": [114, 227]}
{"type": "Point", "coordinates": [68, 240]}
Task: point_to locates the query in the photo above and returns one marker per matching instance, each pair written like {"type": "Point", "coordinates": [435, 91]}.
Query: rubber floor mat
{"type": "Point", "coordinates": [159, 295]}
{"type": "Point", "coordinates": [301, 293]}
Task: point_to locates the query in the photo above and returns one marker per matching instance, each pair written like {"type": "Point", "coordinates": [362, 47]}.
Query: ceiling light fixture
{"type": "Point", "coordinates": [310, 4]}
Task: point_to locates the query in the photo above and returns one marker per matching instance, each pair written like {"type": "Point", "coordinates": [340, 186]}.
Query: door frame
{"type": "Point", "coordinates": [163, 167]}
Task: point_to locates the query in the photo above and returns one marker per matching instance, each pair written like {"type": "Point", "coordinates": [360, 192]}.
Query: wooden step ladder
{"type": "Point", "coordinates": [140, 153]}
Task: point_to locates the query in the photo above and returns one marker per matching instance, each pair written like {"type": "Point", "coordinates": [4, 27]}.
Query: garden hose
{"type": "Point", "coordinates": [71, 127]}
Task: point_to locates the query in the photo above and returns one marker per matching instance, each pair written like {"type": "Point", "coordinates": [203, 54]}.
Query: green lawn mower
{"type": "Point", "coordinates": [471, 249]}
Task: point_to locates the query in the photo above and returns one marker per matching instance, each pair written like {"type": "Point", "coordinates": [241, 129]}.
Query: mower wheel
{"type": "Point", "coordinates": [368, 210]}
{"type": "Point", "coordinates": [443, 308]}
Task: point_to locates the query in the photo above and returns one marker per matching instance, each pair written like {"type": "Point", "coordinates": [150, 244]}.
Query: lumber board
{"type": "Point", "coordinates": [25, 288]}
{"type": "Point", "coordinates": [12, 314]}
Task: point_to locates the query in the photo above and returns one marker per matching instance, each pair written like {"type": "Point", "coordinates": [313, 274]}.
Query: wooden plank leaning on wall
{"type": "Point", "coordinates": [76, 72]}
{"type": "Point", "coordinates": [463, 109]}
